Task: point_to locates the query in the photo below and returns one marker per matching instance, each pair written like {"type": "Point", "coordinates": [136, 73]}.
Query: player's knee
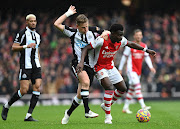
{"type": "Point", "coordinates": [85, 84]}
{"type": "Point", "coordinates": [108, 87]}
{"type": "Point", "coordinates": [23, 91]}
{"type": "Point", "coordinates": [124, 89]}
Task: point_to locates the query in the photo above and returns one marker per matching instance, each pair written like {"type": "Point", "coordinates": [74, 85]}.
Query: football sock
{"type": "Point", "coordinates": [13, 99]}
{"type": "Point", "coordinates": [28, 115]}
{"type": "Point", "coordinates": [74, 105]}
{"type": "Point", "coordinates": [85, 98]}
{"type": "Point", "coordinates": [129, 96]}
{"type": "Point", "coordinates": [139, 95]}
{"type": "Point", "coordinates": [117, 94]}
{"type": "Point", "coordinates": [107, 101]}
{"type": "Point", "coordinates": [33, 101]}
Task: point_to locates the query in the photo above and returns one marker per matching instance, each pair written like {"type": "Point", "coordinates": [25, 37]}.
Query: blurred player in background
{"type": "Point", "coordinates": [80, 37]}
{"type": "Point", "coordinates": [106, 73]}
{"type": "Point", "coordinates": [27, 42]}
{"type": "Point", "coordinates": [134, 66]}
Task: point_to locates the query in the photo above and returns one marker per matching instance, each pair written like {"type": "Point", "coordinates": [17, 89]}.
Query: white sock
{"type": "Point", "coordinates": [126, 104]}
{"type": "Point", "coordinates": [28, 115]}
{"type": "Point", "coordinates": [77, 100]}
{"type": "Point", "coordinates": [141, 101]}
{"type": "Point", "coordinates": [7, 105]}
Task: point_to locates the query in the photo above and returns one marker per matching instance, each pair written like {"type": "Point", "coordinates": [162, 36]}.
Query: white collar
{"type": "Point", "coordinates": [30, 29]}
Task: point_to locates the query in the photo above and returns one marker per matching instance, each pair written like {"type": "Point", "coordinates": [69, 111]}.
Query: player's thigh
{"type": "Point", "coordinates": [114, 76]}
{"type": "Point", "coordinates": [121, 86]}
{"type": "Point", "coordinates": [36, 76]}
{"type": "Point", "coordinates": [83, 78]}
{"type": "Point", "coordinates": [36, 86]}
{"type": "Point", "coordinates": [90, 73]}
{"type": "Point", "coordinates": [117, 80]}
{"type": "Point", "coordinates": [104, 80]}
{"type": "Point", "coordinates": [133, 78]}
{"type": "Point", "coordinates": [24, 76]}
{"type": "Point", "coordinates": [24, 86]}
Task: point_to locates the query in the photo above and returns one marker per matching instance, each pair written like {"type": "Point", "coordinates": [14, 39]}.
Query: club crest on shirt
{"type": "Point", "coordinates": [24, 76]}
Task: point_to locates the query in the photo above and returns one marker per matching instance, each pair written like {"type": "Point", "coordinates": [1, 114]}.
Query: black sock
{"type": "Point", "coordinates": [73, 107]}
{"type": "Point", "coordinates": [15, 97]}
{"type": "Point", "coordinates": [33, 102]}
{"type": "Point", "coordinates": [85, 98]}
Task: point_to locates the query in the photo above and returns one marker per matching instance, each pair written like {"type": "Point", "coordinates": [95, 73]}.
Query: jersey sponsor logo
{"type": "Point", "coordinates": [138, 55]}
{"type": "Point", "coordinates": [80, 43]}
{"type": "Point", "coordinates": [108, 54]}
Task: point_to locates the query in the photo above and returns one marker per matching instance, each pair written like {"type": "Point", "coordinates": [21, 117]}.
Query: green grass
{"type": "Point", "coordinates": [165, 115]}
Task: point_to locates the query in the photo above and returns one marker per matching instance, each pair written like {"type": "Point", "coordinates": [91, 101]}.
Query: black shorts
{"type": "Point", "coordinates": [27, 74]}
{"type": "Point", "coordinates": [89, 70]}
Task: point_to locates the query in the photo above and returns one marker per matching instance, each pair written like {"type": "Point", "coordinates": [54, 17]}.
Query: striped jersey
{"type": "Point", "coordinates": [79, 41]}
{"type": "Point", "coordinates": [28, 57]}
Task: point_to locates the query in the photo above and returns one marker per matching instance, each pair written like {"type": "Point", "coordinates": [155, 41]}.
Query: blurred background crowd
{"type": "Point", "coordinates": [161, 32]}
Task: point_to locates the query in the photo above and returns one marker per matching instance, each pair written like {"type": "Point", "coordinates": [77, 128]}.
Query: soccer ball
{"type": "Point", "coordinates": [143, 115]}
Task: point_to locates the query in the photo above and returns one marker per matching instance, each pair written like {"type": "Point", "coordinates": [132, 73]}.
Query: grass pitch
{"type": "Point", "coordinates": [164, 115]}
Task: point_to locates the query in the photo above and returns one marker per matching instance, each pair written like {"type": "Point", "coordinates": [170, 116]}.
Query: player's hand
{"type": "Point", "coordinates": [104, 35]}
{"type": "Point", "coordinates": [71, 11]}
{"type": "Point", "coordinates": [31, 45]}
{"type": "Point", "coordinates": [153, 70]}
{"type": "Point", "coordinates": [151, 52]}
{"type": "Point", "coordinates": [79, 67]}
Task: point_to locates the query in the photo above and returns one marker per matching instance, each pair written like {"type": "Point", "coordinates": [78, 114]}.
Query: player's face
{"type": "Point", "coordinates": [117, 36]}
{"type": "Point", "coordinates": [138, 36]}
{"type": "Point", "coordinates": [31, 23]}
{"type": "Point", "coordinates": [83, 27]}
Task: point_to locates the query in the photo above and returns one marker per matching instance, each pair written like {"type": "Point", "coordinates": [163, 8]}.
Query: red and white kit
{"type": "Point", "coordinates": [105, 51]}
{"type": "Point", "coordinates": [134, 63]}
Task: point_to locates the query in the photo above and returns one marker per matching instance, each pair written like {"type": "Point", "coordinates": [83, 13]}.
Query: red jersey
{"type": "Point", "coordinates": [105, 51]}
{"type": "Point", "coordinates": [135, 58]}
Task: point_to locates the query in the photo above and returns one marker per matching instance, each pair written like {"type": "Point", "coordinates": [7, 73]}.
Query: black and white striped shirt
{"type": "Point", "coordinates": [28, 57]}
{"type": "Point", "coordinates": [79, 41]}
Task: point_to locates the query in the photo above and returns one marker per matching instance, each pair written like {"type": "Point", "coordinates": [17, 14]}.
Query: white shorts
{"type": "Point", "coordinates": [133, 78]}
{"type": "Point", "coordinates": [113, 75]}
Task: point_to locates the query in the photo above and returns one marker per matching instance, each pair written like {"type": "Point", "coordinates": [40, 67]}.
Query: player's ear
{"type": "Point", "coordinates": [27, 22]}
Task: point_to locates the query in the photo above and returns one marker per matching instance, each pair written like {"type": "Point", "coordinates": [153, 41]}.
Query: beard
{"type": "Point", "coordinates": [32, 28]}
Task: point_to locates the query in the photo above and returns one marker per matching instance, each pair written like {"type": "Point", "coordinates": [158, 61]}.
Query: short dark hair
{"type": "Point", "coordinates": [137, 30]}
{"type": "Point", "coordinates": [116, 27]}
{"type": "Point", "coordinates": [81, 19]}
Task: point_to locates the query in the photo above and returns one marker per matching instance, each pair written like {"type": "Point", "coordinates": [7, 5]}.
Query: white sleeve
{"type": "Point", "coordinates": [148, 61]}
{"type": "Point", "coordinates": [69, 31]}
{"type": "Point", "coordinates": [145, 53]}
{"type": "Point", "coordinates": [127, 51]}
{"type": "Point", "coordinates": [122, 62]}
{"type": "Point", "coordinates": [98, 42]}
{"type": "Point", "coordinates": [124, 41]}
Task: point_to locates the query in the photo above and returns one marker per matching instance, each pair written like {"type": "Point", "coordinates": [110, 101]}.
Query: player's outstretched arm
{"type": "Point", "coordinates": [80, 66]}
{"type": "Point", "coordinates": [138, 47]}
{"type": "Point", "coordinates": [60, 20]}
